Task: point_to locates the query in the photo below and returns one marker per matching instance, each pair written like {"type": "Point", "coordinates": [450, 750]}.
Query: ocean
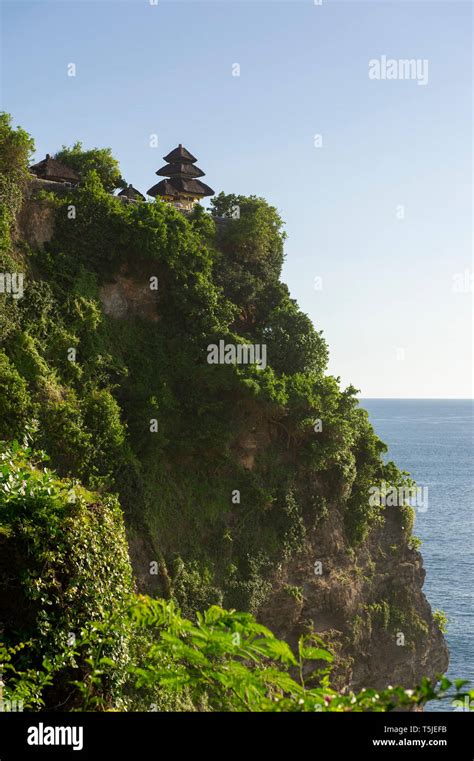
{"type": "Point", "coordinates": [433, 440]}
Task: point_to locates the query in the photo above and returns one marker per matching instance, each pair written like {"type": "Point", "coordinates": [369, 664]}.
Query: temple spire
{"type": "Point", "coordinates": [181, 188]}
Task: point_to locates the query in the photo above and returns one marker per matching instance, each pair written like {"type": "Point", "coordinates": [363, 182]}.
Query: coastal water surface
{"type": "Point", "coordinates": [433, 440]}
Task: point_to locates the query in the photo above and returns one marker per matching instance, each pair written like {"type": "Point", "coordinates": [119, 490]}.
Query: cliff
{"type": "Point", "coordinates": [230, 491]}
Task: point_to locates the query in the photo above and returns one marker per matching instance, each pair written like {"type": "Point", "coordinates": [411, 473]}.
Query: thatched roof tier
{"type": "Point", "coordinates": [180, 154]}
{"type": "Point", "coordinates": [163, 188]}
{"type": "Point", "coordinates": [50, 169]}
{"type": "Point", "coordinates": [132, 193]}
{"type": "Point", "coordinates": [176, 187]}
{"type": "Point", "coordinates": [180, 169]}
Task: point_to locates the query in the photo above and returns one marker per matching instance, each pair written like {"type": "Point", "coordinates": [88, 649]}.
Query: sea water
{"type": "Point", "coordinates": [433, 440]}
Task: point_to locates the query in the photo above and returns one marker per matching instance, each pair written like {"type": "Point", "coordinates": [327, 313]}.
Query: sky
{"type": "Point", "coordinates": [377, 209]}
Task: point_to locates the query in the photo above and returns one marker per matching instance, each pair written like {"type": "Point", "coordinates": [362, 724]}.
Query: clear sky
{"type": "Point", "coordinates": [381, 211]}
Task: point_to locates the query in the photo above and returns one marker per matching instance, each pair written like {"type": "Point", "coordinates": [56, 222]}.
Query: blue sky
{"type": "Point", "coordinates": [390, 148]}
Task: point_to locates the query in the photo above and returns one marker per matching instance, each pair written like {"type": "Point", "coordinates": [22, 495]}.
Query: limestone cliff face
{"type": "Point", "coordinates": [35, 224]}
{"type": "Point", "coordinates": [365, 601]}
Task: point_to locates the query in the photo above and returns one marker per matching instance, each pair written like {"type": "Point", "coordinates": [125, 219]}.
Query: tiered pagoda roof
{"type": "Point", "coordinates": [181, 172]}
{"type": "Point", "coordinates": [180, 154]}
{"type": "Point", "coordinates": [50, 169]}
{"type": "Point", "coordinates": [132, 194]}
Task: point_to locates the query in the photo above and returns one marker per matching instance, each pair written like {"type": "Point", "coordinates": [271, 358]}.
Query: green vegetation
{"type": "Point", "coordinates": [65, 556]}
{"type": "Point", "coordinates": [99, 160]}
{"type": "Point", "coordinates": [293, 591]}
{"type": "Point", "coordinates": [441, 619]}
{"type": "Point", "coordinates": [16, 147]}
{"type": "Point", "coordinates": [130, 413]}
{"type": "Point", "coordinates": [415, 542]}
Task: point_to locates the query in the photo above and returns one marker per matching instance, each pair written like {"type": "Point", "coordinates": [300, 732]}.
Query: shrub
{"type": "Point", "coordinates": [15, 402]}
{"type": "Point", "coordinates": [441, 620]}
{"type": "Point", "coordinates": [99, 160]}
{"type": "Point", "coordinates": [64, 553]}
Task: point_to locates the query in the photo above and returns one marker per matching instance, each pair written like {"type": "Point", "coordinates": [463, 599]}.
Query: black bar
{"type": "Point", "coordinates": [154, 735]}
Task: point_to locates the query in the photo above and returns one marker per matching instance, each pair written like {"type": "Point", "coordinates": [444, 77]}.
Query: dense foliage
{"type": "Point", "coordinates": [16, 147]}
{"type": "Point", "coordinates": [64, 562]}
{"type": "Point", "coordinates": [99, 160]}
{"type": "Point", "coordinates": [219, 469]}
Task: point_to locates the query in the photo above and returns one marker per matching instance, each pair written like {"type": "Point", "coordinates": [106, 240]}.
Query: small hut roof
{"type": "Point", "coordinates": [177, 185]}
{"type": "Point", "coordinates": [50, 169]}
{"type": "Point", "coordinates": [180, 154]}
{"type": "Point", "coordinates": [131, 192]}
{"type": "Point", "coordinates": [180, 169]}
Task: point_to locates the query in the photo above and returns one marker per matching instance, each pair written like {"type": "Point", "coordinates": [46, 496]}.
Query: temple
{"type": "Point", "coordinates": [181, 188]}
{"type": "Point", "coordinates": [54, 171]}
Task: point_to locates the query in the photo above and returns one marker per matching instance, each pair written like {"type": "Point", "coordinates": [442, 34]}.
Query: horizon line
{"type": "Point", "coordinates": [422, 398]}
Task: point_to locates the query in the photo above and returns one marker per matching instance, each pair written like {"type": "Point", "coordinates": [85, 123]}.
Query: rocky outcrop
{"type": "Point", "coordinates": [366, 603]}
{"type": "Point", "coordinates": [35, 224]}
{"type": "Point", "coordinates": [129, 295]}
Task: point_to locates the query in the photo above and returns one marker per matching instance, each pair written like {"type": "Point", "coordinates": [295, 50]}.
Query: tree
{"type": "Point", "coordinates": [99, 160]}
{"type": "Point", "coordinates": [294, 346]}
{"type": "Point", "coordinates": [16, 147]}
{"type": "Point", "coordinates": [224, 205]}
{"type": "Point", "coordinates": [250, 248]}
